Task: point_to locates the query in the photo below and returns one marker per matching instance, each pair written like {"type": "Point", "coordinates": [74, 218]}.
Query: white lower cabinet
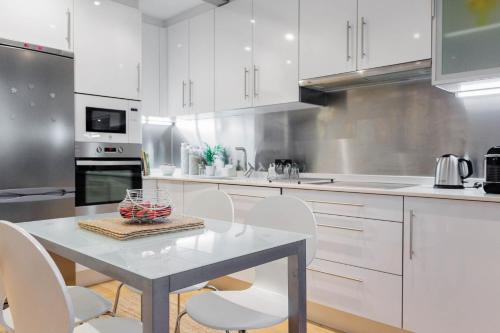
{"type": "Point", "coordinates": [244, 199]}
{"type": "Point", "coordinates": [176, 192]}
{"type": "Point", "coordinates": [451, 277]}
{"type": "Point", "coordinates": [362, 292]}
{"type": "Point", "coordinates": [191, 191]}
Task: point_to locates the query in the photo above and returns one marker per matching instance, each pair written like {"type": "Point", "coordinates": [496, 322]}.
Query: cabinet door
{"type": "Point", "coordinates": [201, 63]}
{"type": "Point", "coordinates": [233, 55]}
{"type": "Point", "coordinates": [176, 191]}
{"type": "Point", "coordinates": [107, 49]}
{"type": "Point", "coordinates": [328, 31]}
{"type": "Point", "coordinates": [451, 278]}
{"type": "Point", "coordinates": [178, 68]}
{"type": "Point", "coordinates": [393, 32]}
{"type": "Point", "coordinates": [150, 70]}
{"type": "Point", "coordinates": [276, 52]}
{"type": "Point", "coordinates": [191, 191]}
{"type": "Point", "coordinates": [46, 23]}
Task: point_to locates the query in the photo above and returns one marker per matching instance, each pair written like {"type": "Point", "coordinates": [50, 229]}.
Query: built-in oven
{"type": "Point", "coordinates": [103, 173]}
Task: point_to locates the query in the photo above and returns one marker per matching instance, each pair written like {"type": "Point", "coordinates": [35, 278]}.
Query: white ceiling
{"type": "Point", "coordinates": [165, 9]}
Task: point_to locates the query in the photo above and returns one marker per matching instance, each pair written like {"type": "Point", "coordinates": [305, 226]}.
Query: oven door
{"type": "Point", "coordinates": [105, 182]}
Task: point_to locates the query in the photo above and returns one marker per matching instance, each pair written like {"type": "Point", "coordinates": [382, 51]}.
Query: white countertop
{"type": "Point", "coordinates": [423, 186]}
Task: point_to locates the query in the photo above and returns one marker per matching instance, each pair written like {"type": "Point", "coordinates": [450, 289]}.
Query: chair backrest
{"type": "Point", "coordinates": [33, 285]}
{"type": "Point", "coordinates": [215, 205]}
{"type": "Point", "coordinates": [289, 214]}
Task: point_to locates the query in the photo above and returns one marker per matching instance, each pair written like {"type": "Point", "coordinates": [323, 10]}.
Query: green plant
{"type": "Point", "coordinates": [209, 155]}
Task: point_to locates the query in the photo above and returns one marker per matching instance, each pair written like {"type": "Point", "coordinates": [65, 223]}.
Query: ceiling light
{"type": "Point", "coordinates": [248, 48]}
{"type": "Point", "coordinates": [416, 35]}
{"type": "Point", "coordinates": [290, 37]}
{"type": "Point", "coordinates": [97, 3]}
{"type": "Point", "coordinates": [252, 21]}
{"type": "Point", "coordinates": [475, 93]}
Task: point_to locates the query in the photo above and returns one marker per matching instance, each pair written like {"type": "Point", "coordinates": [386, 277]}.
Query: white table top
{"type": "Point", "coordinates": [162, 255]}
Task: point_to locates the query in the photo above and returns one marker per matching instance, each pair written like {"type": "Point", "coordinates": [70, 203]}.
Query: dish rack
{"type": "Point", "coordinates": [146, 206]}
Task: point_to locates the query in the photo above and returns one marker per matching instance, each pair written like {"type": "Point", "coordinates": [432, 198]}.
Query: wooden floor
{"type": "Point", "coordinates": [130, 307]}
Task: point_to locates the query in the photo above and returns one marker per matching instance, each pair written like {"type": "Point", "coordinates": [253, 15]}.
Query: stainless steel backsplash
{"type": "Point", "coordinates": [396, 129]}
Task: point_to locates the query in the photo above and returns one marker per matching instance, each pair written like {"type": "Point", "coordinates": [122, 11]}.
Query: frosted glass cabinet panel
{"type": "Point", "coordinates": [467, 37]}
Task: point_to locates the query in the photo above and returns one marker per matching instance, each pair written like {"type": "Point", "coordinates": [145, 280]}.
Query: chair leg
{"type": "Point", "coordinates": [178, 322]}
{"type": "Point", "coordinates": [117, 299]}
{"type": "Point", "coordinates": [178, 305]}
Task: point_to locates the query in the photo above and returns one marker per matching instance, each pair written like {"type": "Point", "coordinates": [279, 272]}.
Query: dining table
{"type": "Point", "coordinates": [160, 264]}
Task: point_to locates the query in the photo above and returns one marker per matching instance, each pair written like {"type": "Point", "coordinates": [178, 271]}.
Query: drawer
{"type": "Point", "coordinates": [362, 292]}
{"type": "Point", "coordinates": [372, 206]}
{"type": "Point", "coordinates": [360, 242]}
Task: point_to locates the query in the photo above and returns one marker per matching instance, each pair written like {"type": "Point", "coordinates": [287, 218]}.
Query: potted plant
{"type": "Point", "coordinates": [209, 157]}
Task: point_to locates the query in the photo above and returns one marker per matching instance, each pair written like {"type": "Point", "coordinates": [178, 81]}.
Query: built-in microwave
{"type": "Point", "coordinates": [104, 119]}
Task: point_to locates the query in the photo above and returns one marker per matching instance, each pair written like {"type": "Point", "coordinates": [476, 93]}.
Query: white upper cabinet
{"type": "Point", "coordinates": [328, 30]}
{"type": "Point", "coordinates": [107, 49]}
{"type": "Point", "coordinates": [191, 65]}
{"type": "Point", "coordinates": [44, 23]}
{"type": "Point", "coordinates": [233, 55]}
{"type": "Point", "coordinates": [150, 70]}
{"type": "Point", "coordinates": [451, 277]}
{"type": "Point", "coordinates": [276, 52]}
{"type": "Point", "coordinates": [178, 68]}
{"type": "Point", "coordinates": [393, 31]}
{"type": "Point", "coordinates": [201, 63]}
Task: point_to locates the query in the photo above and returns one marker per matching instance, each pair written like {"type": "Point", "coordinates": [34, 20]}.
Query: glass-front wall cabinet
{"type": "Point", "coordinates": [467, 40]}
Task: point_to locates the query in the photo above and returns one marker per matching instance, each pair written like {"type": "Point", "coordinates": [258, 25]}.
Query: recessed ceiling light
{"type": "Point", "coordinates": [416, 35]}
{"type": "Point", "coordinates": [97, 3]}
{"type": "Point", "coordinates": [290, 37]}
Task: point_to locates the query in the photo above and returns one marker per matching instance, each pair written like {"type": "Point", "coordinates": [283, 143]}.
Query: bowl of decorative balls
{"type": "Point", "coordinates": [146, 206]}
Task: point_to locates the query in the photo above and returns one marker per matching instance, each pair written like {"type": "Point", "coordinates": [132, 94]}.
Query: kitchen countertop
{"type": "Point", "coordinates": [422, 186]}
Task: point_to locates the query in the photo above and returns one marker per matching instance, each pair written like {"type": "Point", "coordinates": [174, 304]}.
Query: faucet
{"type": "Point", "coordinates": [245, 168]}
{"type": "Point", "coordinates": [249, 172]}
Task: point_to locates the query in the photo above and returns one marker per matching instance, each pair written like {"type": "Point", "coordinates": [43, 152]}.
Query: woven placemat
{"type": "Point", "coordinates": [118, 229]}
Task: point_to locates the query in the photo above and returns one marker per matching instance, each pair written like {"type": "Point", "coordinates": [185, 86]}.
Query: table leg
{"type": "Point", "coordinates": [66, 267]}
{"type": "Point", "coordinates": [297, 295]}
{"type": "Point", "coordinates": [155, 308]}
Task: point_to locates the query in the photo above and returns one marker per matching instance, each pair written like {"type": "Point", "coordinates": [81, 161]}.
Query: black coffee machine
{"type": "Point", "coordinates": [492, 171]}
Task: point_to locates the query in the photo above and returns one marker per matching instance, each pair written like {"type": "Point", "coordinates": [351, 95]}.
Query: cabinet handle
{"type": "Point", "coordinates": [412, 220]}
{"type": "Point", "coordinates": [433, 10]}
{"type": "Point", "coordinates": [363, 25]}
{"type": "Point", "coordinates": [255, 72]}
{"type": "Point", "coordinates": [339, 227]}
{"type": "Point", "coordinates": [183, 94]}
{"type": "Point", "coordinates": [245, 195]}
{"type": "Point", "coordinates": [68, 28]}
{"type": "Point", "coordinates": [191, 93]}
{"type": "Point", "coordinates": [336, 275]}
{"type": "Point", "coordinates": [335, 203]}
{"type": "Point", "coordinates": [245, 80]}
{"type": "Point", "coordinates": [349, 27]}
{"type": "Point", "coordinates": [139, 77]}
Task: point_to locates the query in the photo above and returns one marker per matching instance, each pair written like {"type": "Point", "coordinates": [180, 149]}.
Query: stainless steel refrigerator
{"type": "Point", "coordinates": [36, 133]}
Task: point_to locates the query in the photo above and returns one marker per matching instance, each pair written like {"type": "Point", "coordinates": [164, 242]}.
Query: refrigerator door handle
{"type": "Point", "coordinates": [35, 197]}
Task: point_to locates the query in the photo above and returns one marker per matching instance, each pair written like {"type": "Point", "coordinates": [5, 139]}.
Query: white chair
{"type": "Point", "coordinates": [265, 303]}
{"type": "Point", "coordinates": [215, 205]}
{"type": "Point", "coordinates": [38, 298]}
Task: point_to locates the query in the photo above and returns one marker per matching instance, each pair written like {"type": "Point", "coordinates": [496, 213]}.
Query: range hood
{"type": "Point", "coordinates": [411, 71]}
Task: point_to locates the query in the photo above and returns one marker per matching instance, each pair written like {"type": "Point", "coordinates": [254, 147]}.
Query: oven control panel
{"type": "Point", "coordinates": [107, 150]}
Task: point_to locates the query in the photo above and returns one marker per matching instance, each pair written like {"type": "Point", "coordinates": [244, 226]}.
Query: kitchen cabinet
{"type": "Point", "coordinates": [233, 55]}
{"type": "Point", "coordinates": [44, 23]}
{"type": "Point", "coordinates": [107, 49]}
{"type": "Point", "coordinates": [466, 46]}
{"type": "Point", "coordinates": [451, 269]}
{"type": "Point", "coordinates": [190, 65]}
{"type": "Point", "coordinates": [151, 70]}
{"type": "Point", "coordinates": [244, 199]}
{"type": "Point", "coordinates": [339, 36]}
{"type": "Point", "coordinates": [176, 191]}
{"type": "Point", "coordinates": [256, 53]}
{"type": "Point", "coordinates": [328, 30]}
{"type": "Point", "coordinates": [384, 24]}
{"type": "Point", "coordinates": [191, 191]}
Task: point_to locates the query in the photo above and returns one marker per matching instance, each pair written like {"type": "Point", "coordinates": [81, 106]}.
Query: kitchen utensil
{"type": "Point", "coordinates": [451, 171]}
{"type": "Point", "coordinates": [492, 170]}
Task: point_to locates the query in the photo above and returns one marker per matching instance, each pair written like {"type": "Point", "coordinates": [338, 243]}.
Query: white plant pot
{"type": "Point", "coordinates": [210, 171]}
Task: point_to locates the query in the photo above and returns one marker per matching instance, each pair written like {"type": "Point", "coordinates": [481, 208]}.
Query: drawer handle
{"type": "Point", "coordinates": [341, 228]}
{"type": "Point", "coordinates": [245, 195]}
{"type": "Point", "coordinates": [336, 275]}
{"type": "Point", "coordinates": [336, 203]}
